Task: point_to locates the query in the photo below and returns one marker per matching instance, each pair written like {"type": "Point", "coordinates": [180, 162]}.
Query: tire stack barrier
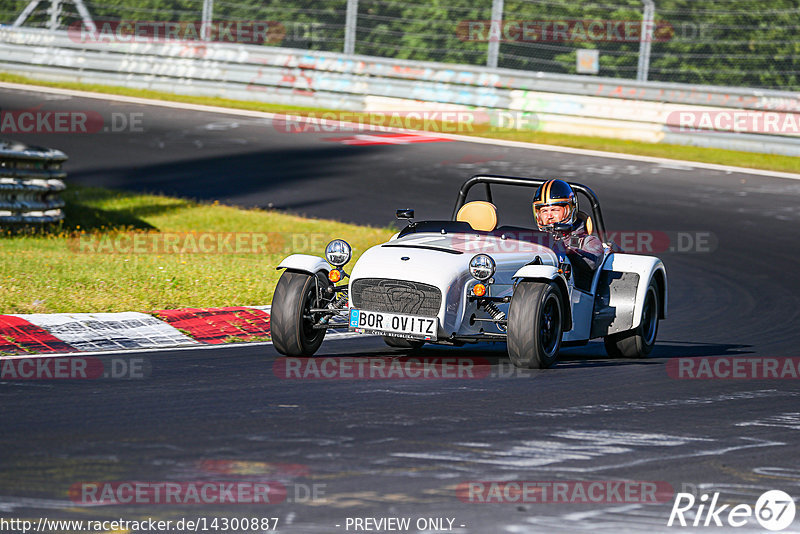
{"type": "Point", "coordinates": [31, 179]}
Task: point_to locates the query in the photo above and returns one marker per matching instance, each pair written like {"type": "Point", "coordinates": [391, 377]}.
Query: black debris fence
{"type": "Point", "coordinates": [31, 179]}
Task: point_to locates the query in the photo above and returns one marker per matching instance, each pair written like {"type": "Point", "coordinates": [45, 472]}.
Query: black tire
{"type": "Point", "coordinates": [291, 333]}
{"type": "Point", "coordinates": [535, 325]}
{"type": "Point", "coordinates": [400, 343]}
{"type": "Point", "coordinates": [639, 342]}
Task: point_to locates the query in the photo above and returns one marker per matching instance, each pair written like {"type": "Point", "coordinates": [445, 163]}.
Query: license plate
{"type": "Point", "coordinates": [392, 324]}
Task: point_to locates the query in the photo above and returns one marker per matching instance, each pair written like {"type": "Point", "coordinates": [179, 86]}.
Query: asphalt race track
{"type": "Point", "coordinates": [402, 448]}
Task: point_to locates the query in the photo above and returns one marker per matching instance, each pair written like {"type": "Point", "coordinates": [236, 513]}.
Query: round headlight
{"type": "Point", "coordinates": [481, 267]}
{"type": "Point", "coordinates": [337, 252]}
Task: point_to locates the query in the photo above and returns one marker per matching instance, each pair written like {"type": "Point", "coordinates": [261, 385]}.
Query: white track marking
{"type": "Point", "coordinates": [756, 443]}
{"type": "Point", "coordinates": [589, 447]}
{"type": "Point", "coordinates": [688, 165]}
{"type": "Point", "coordinates": [650, 404]}
{"type": "Point", "coordinates": [790, 420]}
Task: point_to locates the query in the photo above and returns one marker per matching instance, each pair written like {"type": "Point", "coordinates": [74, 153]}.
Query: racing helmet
{"type": "Point", "coordinates": [555, 193]}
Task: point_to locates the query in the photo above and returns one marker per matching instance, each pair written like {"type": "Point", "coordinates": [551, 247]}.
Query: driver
{"type": "Point", "coordinates": [555, 203]}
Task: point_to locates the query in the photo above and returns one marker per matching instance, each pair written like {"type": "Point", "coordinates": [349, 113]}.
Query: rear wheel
{"type": "Point", "coordinates": [639, 342]}
{"type": "Point", "coordinates": [291, 322]}
{"type": "Point", "coordinates": [535, 324]}
{"type": "Point", "coordinates": [400, 343]}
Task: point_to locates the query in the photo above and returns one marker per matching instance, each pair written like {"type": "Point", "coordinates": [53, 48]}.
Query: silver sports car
{"type": "Point", "coordinates": [466, 281]}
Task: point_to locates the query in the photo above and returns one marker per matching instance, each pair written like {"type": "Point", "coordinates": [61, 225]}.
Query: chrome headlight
{"type": "Point", "coordinates": [338, 252]}
{"type": "Point", "coordinates": [481, 267]}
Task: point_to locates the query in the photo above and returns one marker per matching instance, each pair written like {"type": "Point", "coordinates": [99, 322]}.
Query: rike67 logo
{"type": "Point", "coordinates": [774, 510]}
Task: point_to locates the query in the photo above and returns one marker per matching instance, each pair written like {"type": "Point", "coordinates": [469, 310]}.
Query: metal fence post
{"type": "Point", "coordinates": [495, 32]}
{"type": "Point", "coordinates": [55, 14]}
{"type": "Point", "coordinates": [350, 26]}
{"type": "Point", "coordinates": [25, 13]}
{"type": "Point", "coordinates": [205, 23]}
{"type": "Point", "coordinates": [645, 40]}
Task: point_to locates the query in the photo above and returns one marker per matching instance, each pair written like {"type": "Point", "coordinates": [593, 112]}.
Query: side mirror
{"type": "Point", "coordinates": [405, 214]}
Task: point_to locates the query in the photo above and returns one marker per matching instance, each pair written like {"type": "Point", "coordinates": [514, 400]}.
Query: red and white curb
{"type": "Point", "coordinates": [218, 325]}
{"type": "Point", "coordinates": [42, 333]}
{"type": "Point", "coordinates": [84, 332]}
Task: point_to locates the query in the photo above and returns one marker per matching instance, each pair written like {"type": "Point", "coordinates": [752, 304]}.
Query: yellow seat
{"type": "Point", "coordinates": [587, 222]}
{"type": "Point", "coordinates": [480, 215]}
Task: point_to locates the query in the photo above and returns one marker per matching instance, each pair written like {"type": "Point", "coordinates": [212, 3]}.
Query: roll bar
{"type": "Point", "coordinates": [489, 179]}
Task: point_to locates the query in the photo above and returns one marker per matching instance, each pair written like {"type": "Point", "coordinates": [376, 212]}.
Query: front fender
{"type": "Point", "coordinates": [305, 263]}
{"type": "Point", "coordinates": [548, 272]}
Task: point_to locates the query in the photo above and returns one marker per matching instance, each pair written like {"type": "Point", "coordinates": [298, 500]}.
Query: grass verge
{"type": "Point", "coordinates": [679, 152]}
{"type": "Point", "coordinates": [91, 263]}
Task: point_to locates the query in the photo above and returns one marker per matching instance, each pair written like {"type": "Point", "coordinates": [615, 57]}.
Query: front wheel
{"type": "Point", "coordinates": [639, 342]}
{"type": "Point", "coordinates": [291, 322]}
{"type": "Point", "coordinates": [535, 324]}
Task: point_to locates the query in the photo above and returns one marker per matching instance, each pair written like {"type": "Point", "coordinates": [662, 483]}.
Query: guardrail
{"type": "Point", "coordinates": [30, 181]}
{"type": "Point", "coordinates": [583, 105]}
